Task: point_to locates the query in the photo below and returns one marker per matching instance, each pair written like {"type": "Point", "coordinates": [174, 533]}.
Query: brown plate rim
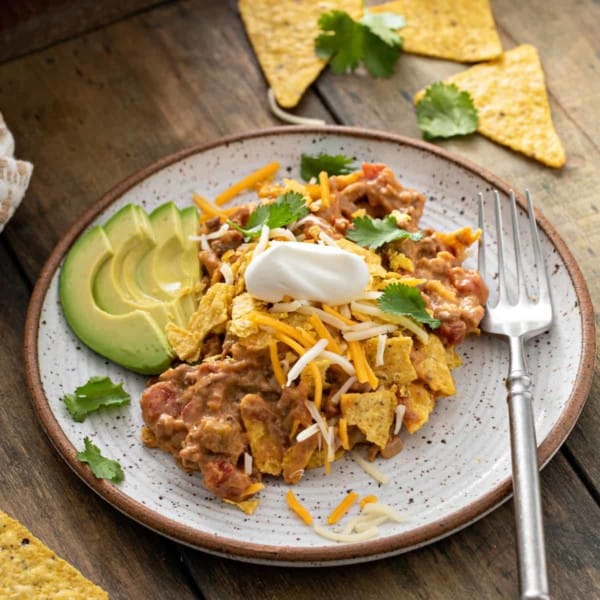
{"type": "Point", "coordinates": [288, 554]}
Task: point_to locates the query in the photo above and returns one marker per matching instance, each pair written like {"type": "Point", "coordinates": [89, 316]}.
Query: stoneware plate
{"type": "Point", "coordinates": [450, 473]}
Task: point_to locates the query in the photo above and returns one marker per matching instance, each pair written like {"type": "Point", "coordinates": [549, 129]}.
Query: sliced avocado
{"type": "Point", "coordinates": [132, 340]}
{"type": "Point", "coordinates": [190, 264]}
{"type": "Point", "coordinates": [115, 288]}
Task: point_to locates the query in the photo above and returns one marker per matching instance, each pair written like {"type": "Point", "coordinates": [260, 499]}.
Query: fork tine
{"type": "Point", "coordinates": [542, 273]}
{"type": "Point", "coordinates": [481, 247]}
{"type": "Point", "coordinates": [517, 243]}
{"type": "Point", "coordinates": [502, 293]}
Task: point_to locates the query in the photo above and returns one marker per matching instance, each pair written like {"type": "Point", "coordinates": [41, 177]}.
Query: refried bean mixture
{"type": "Point", "coordinates": [227, 411]}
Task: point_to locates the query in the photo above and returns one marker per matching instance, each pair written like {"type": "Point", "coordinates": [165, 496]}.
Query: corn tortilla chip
{"type": "Point", "coordinates": [510, 96]}
{"type": "Point", "coordinates": [419, 403]}
{"type": "Point", "coordinates": [29, 569]}
{"type": "Point", "coordinates": [372, 413]}
{"type": "Point", "coordinates": [461, 30]}
{"type": "Point", "coordinates": [282, 33]}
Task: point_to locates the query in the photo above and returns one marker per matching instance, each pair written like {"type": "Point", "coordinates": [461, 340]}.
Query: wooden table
{"type": "Point", "coordinates": [90, 110]}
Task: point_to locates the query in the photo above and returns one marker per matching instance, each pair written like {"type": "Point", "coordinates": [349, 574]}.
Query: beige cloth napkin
{"type": "Point", "coordinates": [14, 175]}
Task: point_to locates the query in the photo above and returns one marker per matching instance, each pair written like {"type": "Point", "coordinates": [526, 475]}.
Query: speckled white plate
{"type": "Point", "coordinates": [450, 473]}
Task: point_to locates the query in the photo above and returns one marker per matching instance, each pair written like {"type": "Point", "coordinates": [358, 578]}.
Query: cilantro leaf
{"type": "Point", "coordinates": [373, 233]}
{"type": "Point", "coordinates": [400, 299]}
{"type": "Point", "coordinates": [96, 393]}
{"type": "Point", "coordinates": [446, 111]}
{"type": "Point", "coordinates": [102, 468]}
{"type": "Point", "coordinates": [311, 166]}
{"type": "Point", "coordinates": [287, 208]}
{"type": "Point", "coordinates": [372, 40]}
{"type": "Point", "coordinates": [385, 25]}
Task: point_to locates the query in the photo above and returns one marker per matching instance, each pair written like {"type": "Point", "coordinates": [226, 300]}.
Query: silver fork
{"type": "Point", "coordinates": [519, 321]}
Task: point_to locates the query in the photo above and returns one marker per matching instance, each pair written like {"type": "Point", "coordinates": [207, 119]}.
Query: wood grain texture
{"type": "Point", "coordinates": [40, 491]}
{"type": "Point", "coordinates": [27, 25]}
{"type": "Point", "coordinates": [92, 110]}
{"type": "Point", "coordinates": [569, 50]}
{"type": "Point", "coordinates": [478, 562]}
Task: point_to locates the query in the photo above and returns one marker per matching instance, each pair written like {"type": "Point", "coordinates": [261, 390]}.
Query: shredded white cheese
{"type": "Point", "coordinates": [247, 463]}
{"type": "Point", "coordinates": [341, 361]}
{"type": "Point", "coordinates": [325, 317]}
{"type": "Point", "coordinates": [343, 389]}
{"type": "Point", "coordinates": [405, 322]}
{"type": "Point", "coordinates": [370, 296]}
{"type": "Point", "coordinates": [319, 420]}
{"type": "Point", "coordinates": [345, 537]}
{"type": "Point", "coordinates": [308, 432]}
{"type": "Point", "coordinates": [204, 242]}
{"type": "Point", "coordinates": [287, 307]}
{"type": "Point", "coordinates": [210, 236]}
{"type": "Point", "coordinates": [379, 509]}
{"type": "Point", "coordinates": [400, 410]}
{"type": "Point", "coordinates": [263, 240]}
{"type": "Point", "coordinates": [327, 239]}
{"type": "Point", "coordinates": [381, 340]}
{"type": "Point", "coordinates": [345, 311]}
{"type": "Point", "coordinates": [227, 273]}
{"type": "Point", "coordinates": [331, 445]}
{"type": "Point", "coordinates": [306, 358]}
{"type": "Point", "coordinates": [365, 334]}
{"type": "Point", "coordinates": [362, 523]}
{"type": "Point", "coordinates": [288, 117]}
{"type": "Point", "coordinates": [281, 232]}
{"type": "Point", "coordinates": [369, 468]}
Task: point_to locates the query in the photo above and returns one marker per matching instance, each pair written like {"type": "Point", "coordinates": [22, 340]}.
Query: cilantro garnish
{"type": "Point", "coordinates": [95, 394]}
{"type": "Point", "coordinates": [373, 233]}
{"type": "Point", "coordinates": [400, 299]}
{"type": "Point", "coordinates": [285, 210]}
{"type": "Point", "coordinates": [372, 40]}
{"type": "Point", "coordinates": [446, 111]}
{"type": "Point", "coordinates": [311, 166]}
{"type": "Point", "coordinates": [103, 468]}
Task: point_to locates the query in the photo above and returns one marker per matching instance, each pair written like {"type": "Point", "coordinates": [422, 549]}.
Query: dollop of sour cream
{"type": "Point", "coordinates": [307, 272]}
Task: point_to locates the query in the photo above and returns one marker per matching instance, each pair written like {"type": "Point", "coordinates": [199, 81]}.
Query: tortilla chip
{"type": "Point", "coordinates": [241, 307]}
{"type": "Point", "coordinates": [246, 506]}
{"type": "Point", "coordinates": [397, 367]}
{"type": "Point", "coordinates": [461, 30]}
{"type": "Point", "coordinates": [296, 459]}
{"type": "Point", "coordinates": [372, 413]}
{"type": "Point", "coordinates": [419, 403]}
{"type": "Point", "coordinates": [282, 33]}
{"type": "Point", "coordinates": [29, 569]}
{"type": "Point", "coordinates": [452, 358]}
{"type": "Point", "coordinates": [432, 367]}
{"type": "Point", "coordinates": [371, 257]}
{"type": "Point", "coordinates": [510, 95]}
{"type": "Point", "coordinates": [213, 311]}
{"type": "Point", "coordinates": [264, 437]}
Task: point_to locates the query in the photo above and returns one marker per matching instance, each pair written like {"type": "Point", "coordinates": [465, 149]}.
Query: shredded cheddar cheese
{"type": "Point", "coordinates": [325, 191]}
{"type": "Point", "coordinates": [323, 332]}
{"type": "Point", "coordinates": [342, 508]}
{"type": "Point", "coordinates": [295, 505]}
{"type": "Point", "coordinates": [305, 338]}
{"type": "Point", "coordinates": [248, 182]}
{"type": "Point", "coordinates": [367, 500]}
{"type": "Point", "coordinates": [358, 359]}
{"type": "Point", "coordinates": [343, 181]}
{"type": "Point", "coordinates": [343, 433]}
{"type": "Point", "coordinates": [208, 208]}
{"type": "Point", "coordinates": [338, 315]}
{"type": "Point", "coordinates": [276, 364]}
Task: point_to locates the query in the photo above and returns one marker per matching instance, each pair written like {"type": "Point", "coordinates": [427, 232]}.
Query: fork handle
{"type": "Point", "coordinates": [533, 576]}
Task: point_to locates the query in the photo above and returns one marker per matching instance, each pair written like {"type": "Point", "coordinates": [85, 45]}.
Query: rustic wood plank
{"type": "Point", "coordinates": [93, 110]}
{"type": "Point", "coordinates": [479, 562]}
{"type": "Point", "coordinates": [27, 25]}
{"type": "Point", "coordinates": [39, 489]}
{"type": "Point", "coordinates": [568, 197]}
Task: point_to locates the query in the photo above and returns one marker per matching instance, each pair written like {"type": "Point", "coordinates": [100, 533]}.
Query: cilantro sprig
{"type": "Point", "coordinates": [374, 40]}
{"type": "Point", "coordinates": [332, 164]}
{"type": "Point", "coordinates": [445, 111]}
{"type": "Point", "coordinates": [103, 468]}
{"type": "Point", "coordinates": [97, 393]}
{"type": "Point", "coordinates": [285, 210]}
{"type": "Point", "coordinates": [374, 233]}
{"type": "Point", "coordinates": [403, 300]}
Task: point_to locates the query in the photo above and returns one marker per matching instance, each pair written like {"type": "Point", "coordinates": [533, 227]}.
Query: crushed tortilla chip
{"type": "Point", "coordinates": [317, 458]}
{"type": "Point", "coordinates": [460, 30]}
{"type": "Point", "coordinates": [265, 443]}
{"type": "Point", "coordinates": [430, 363]}
{"type": "Point", "coordinates": [397, 367]}
{"type": "Point", "coordinates": [419, 403]}
{"type": "Point", "coordinates": [29, 569]}
{"type": "Point", "coordinates": [372, 413]}
{"type": "Point", "coordinates": [297, 457]}
{"type": "Point", "coordinates": [246, 506]}
{"type": "Point", "coordinates": [452, 358]}
{"type": "Point", "coordinates": [510, 96]}
{"type": "Point", "coordinates": [371, 257]}
{"type": "Point", "coordinates": [241, 307]}
{"type": "Point", "coordinates": [282, 33]}
{"type": "Point", "coordinates": [213, 311]}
